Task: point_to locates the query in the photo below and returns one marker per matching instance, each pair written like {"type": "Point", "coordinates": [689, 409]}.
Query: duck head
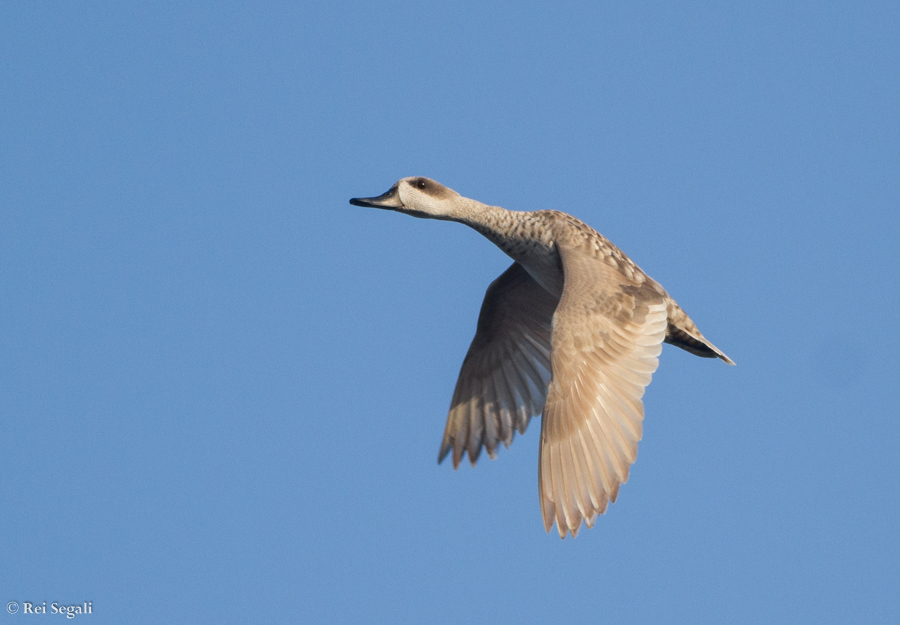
{"type": "Point", "coordinates": [416, 196]}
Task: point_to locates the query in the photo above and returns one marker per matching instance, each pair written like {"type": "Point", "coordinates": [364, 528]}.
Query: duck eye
{"type": "Point", "coordinates": [420, 183]}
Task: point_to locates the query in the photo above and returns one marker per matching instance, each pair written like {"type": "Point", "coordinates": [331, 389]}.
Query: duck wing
{"type": "Point", "coordinates": [504, 377]}
{"type": "Point", "coordinates": [608, 331]}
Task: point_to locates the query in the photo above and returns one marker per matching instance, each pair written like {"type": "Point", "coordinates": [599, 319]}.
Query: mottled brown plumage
{"type": "Point", "coordinates": [573, 329]}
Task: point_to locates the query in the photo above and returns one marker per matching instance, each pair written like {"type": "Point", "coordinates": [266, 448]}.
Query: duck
{"type": "Point", "coordinates": [571, 332]}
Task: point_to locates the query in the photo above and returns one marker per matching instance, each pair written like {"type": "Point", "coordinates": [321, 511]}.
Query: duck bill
{"type": "Point", "coordinates": [389, 200]}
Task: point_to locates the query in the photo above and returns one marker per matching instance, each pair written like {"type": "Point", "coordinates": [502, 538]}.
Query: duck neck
{"type": "Point", "coordinates": [523, 236]}
{"type": "Point", "coordinates": [526, 237]}
{"type": "Point", "coordinates": [494, 222]}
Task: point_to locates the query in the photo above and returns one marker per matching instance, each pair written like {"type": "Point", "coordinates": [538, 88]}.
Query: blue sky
{"type": "Point", "coordinates": [224, 388]}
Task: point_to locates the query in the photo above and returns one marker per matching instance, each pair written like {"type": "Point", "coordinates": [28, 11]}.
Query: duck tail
{"type": "Point", "coordinates": [682, 332]}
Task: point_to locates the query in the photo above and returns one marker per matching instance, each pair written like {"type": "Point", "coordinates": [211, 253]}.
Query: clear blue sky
{"type": "Point", "coordinates": [223, 388]}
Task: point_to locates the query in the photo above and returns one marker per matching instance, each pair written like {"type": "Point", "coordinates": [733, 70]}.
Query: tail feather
{"type": "Point", "coordinates": [682, 332]}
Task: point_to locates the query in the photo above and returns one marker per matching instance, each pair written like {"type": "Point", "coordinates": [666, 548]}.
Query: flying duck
{"type": "Point", "coordinates": [572, 330]}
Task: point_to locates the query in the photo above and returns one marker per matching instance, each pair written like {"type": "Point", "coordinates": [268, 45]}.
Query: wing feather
{"type": "Point", "coordinates": [607, 334]}
{"type": "Point", "coordinates": [504, 377]}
